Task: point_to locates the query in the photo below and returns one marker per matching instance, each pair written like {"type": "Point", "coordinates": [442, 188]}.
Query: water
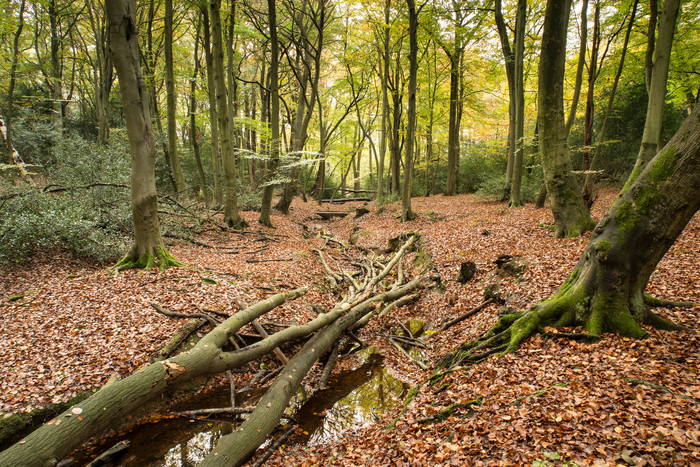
{"type": "Point", "coordinates": [352, 399]}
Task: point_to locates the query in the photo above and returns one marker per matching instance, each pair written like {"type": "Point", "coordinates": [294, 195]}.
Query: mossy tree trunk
{"type": "Point", "coordinates": [571, 215]}
{"type": "Point", "coordinates": [605, 291]}
{"type": "Point", "coordinates": [148, 242]}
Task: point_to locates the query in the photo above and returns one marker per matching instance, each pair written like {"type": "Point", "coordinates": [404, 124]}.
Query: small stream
{"type": "Point", "coordinates": [352, 399]}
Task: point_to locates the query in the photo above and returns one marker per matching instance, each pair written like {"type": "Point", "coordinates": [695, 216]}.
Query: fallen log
{"type": "Point", "coordinates": [118, 400]}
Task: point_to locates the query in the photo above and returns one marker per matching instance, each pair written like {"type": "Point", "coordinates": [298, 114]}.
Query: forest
{"type": "Point", "coordinates": [313, 232]}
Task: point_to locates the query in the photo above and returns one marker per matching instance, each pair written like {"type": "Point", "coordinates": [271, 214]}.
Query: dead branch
{"type": "Point", "coordinates": [464, 316]}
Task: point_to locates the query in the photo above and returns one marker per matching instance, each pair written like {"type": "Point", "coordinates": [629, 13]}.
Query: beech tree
{"type": "Point", "coordinates": [605, 291]}
{"type": "Point", "coordinates": [148, 242]}
{"type": "Point", "coordinates": [571, 215]}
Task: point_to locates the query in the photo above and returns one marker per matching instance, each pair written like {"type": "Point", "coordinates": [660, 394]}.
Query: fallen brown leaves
{"type": "Point", "coordinates": [615, 402]}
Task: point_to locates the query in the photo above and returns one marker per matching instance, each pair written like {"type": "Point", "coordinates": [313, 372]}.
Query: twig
{"type": "Point", "coordinates": [464, 316]}
{"type": "Point", "coordinates": [283, 358]}
{"type": "Point", "coordinates": [273, 447]}
{"type": "Point", "coordinates": [217, 411]}
{"type": "Point", "coordinates": [422, 365]}
{"type": "Point", "coordinates": [267, 260]}
{"type": "Point", "coordinates": [233, 388]}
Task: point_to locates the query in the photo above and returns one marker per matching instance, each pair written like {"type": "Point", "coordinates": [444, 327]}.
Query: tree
{"type": "Point", "coordinates": [274, 115]}
{"type": "Point", "coordinates": [231, 216]}
{"type": "Point", "coordinates": [9, 147]}
{"type": "Point", "coordinates": [385, 103]}
{"type": "Point", "coordinates": [651, 139]}
{"type": "Point", "coordinates": [148, 242]}
{"type": "Point", "coordinates": [171, 110]}
{"type": "Point", "coordinates": [514, 58]}
{"type": "Point", "coordinates": [407, 213]}
{"type": "Point", "coordinates": [571, 215]}
{"type": "Point", "coordinates": [605, 291]}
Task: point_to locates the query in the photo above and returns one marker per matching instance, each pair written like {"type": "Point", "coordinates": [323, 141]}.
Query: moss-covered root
{"type": "Point", "coordinates": [147, 261]}
{"type": "Point", "coordinates": [655, 302]}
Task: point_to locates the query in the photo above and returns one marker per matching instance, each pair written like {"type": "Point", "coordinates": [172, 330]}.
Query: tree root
{"type": "Point", "coordinates": [147, 261]}
{"type": "Point", "coordinates": [655, 302]}
{"type": "Point", "coordinates": [597, 313]}
{"type": "Point", "coordinates": [445, 413]}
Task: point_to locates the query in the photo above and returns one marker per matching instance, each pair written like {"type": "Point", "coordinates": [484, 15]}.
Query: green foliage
{"type": "Point", "coordinates": [94, 222]}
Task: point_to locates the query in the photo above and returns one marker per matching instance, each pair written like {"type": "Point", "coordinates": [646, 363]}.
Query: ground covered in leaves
{"type": "Point", "coordinates": [67, 325]}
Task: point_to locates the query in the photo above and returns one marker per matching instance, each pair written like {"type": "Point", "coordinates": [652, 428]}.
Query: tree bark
{"type": "Point", "coordinates": [175, 167]}
{"type": "Point", "coordinates": [9, 146]}
{"type": "Point", "coordinates": [651, 139]}
{"type": "Point", "coordinates": [232, 218]}
{"type": "Point", "coordinates": [519, 96]}
{"type": "Point", "coordinates": [194, 131]}
{"type": "Point", "coordinates": [407, 213]}
{"type": "Point", "coordinates": [509, 60]}
{"type": "Point", "coordinates": [385, 104]}
{"type": "Point", "coordinates": [148, 242]}
{"type": "Point", "coordinates": [605, 291]}
{"type": "Point", "coordinates": [571, 215]}
{"type": "Point", "coordinates": [213, 115]}
{"type": "Point", "coordinates": [579, 67]}
{"type": "Point", "coordinates": [271, 171]}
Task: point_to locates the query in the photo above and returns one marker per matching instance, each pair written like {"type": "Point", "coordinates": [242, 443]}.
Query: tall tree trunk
{"type": "Point", "coordinates": [605, 291]}
{"type": "Point", "coordinates": [175, 167]}
{"type": "Point", "coordinates": [213, 114]}
{"type": "Point", "coordinates": [509, 60]}
{"type": "Point", "coordinates": [274, 117]}
{"type": "Point", "coordinates": [148, 242]}
{"type": "Point", "coordinates": [519, 95]}
{"type": "Point", "coordinates": [651, 139]}
{"type": "Point", "coordinates": [590, 96]}
{"type": "Point", "coordinates": [407, 213]}
{"type": "Point", "coordinates": [588, 184]}
{"type": "Point", "coordinates": [579, 67]}
{"type": "Point", "coordinates": [56, 85]}
{"type": "Point", "coordinates": [9, 146]}
{"type": "Point", "coordinates": [385, 104]}
{"type": "Point", "coordinates": [194, 131]}
{"type": "Point", "coordinates": [571, 215]}
{"type": "Point", "coordinates": [231, 216]}
{"type": "Point", "coordinates": [453, 129]}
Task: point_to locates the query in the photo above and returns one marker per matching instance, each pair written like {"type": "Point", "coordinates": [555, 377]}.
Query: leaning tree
{"type": "Point", "coordinates": [148, 242]}
{"type": "Point", "coordinates": [605, 291]}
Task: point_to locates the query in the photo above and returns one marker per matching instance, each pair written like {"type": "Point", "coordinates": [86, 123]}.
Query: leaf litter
{"type": "Point", "coordinates": [555, 401]}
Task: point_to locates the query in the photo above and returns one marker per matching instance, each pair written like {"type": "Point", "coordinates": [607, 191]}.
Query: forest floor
{"type": "Point", "coordinates": [67, 325]}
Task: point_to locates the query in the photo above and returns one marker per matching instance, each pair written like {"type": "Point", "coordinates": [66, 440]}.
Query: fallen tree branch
{"type": "Point", "coordinates": [420, 364]}
{"type": "Point", "coordinates": [215, 411]}
{"type": "Point", "coordinates": [464, 316]}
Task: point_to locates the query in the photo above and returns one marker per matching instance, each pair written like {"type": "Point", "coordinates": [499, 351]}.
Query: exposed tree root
{"type": "Point", "coordinates": [655, 302]}
{"type": "Point", "coordinates": [147, 260]}
{"type": "Point", "coordinates": [445, 413]}
{"type": "Point", "coordinates": [572, 305]}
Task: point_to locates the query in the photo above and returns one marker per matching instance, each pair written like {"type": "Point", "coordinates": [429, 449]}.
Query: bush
{"type": "Point", "coordinates": [36, 221]}
{"type": "Point", "coordinates": [94, 222]}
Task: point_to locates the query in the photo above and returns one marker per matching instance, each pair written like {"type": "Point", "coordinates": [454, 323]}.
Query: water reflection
{"type": "Point", "coordinates": [351, 400]}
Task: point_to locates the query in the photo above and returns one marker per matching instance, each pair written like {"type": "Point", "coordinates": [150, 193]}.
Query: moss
{"type": "Point", "coordinates": [662, 166]}
{"type": "Point", "coordinates": [626, 218]}
{"type": "Point", "coordinates": [610, 313]}
{"type": "Point", "coordinates": [631, 179]}
{"type": "Point", "coordinates": [16, 426]}
{"type": "Point", "coordinates": [583, 224]}
{"type": "Point", "coordinates": [604, 246]}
